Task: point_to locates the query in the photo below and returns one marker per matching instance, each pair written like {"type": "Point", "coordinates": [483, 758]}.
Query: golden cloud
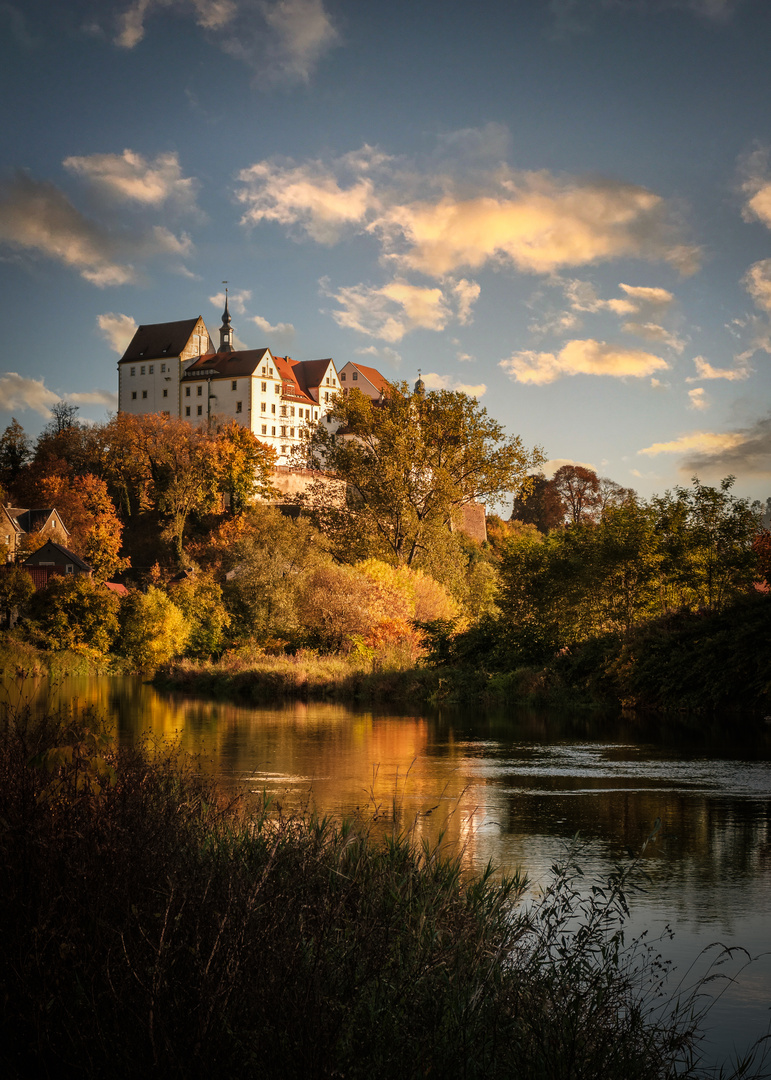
{"type": "Point", "coordinates": [702, 442]}
{"type": "Point", "coordinates": [587, 357]}
{"type": "Point", "coordinates": [132, 178]}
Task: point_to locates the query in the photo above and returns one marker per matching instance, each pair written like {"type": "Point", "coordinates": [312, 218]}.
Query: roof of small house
{"type": "Point", "coordinates": [31, 520]}
{"type": "Point", "coordinates": [116, 587]}
{"type": "Point", "coordinates": [372, 375]}
{"type": "Point", "coordinates": [158, 340]}
{"type": "Point", "coordinates": [58, 551]}
{"type": "Point", "coordinates": [225, 365]}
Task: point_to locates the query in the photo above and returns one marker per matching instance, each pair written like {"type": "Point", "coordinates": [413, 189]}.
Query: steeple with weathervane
{"type": "Point", "coordinates": [226, 330]}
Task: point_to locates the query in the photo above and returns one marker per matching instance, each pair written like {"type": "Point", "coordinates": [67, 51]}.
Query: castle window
{"type": "Point", "coordinates": [273, 431]}
{"type": "Point", "coordinates": [187, 410]}
{"type": "Point", "coordinates": [238, 406]}
{"type": "Point", "coordinates": [199, 391]}
{"type": "Point", "coordinates": [234, 384]}
{"type": "Point", "coordinates": [133, 371]}
{"type": "Point", "coordinates": [163, 368]}
{"type": "Point", "coordinates": [278, 388]}
{"type": "Point", "coordinates": [291, 411]}
{"type": "Point", "coordinates": [283, 410]}
{"type": "Point", "coordinates": [142, 370]}
{"type": "Point", "coordinates": [200, 410]}
{"type": "Point", "coordinates": [326, 396]}
{"type": "Point", "coordinates": [263, 386]}
{"type": "Point", "coordinates": [283, 432]}
{"type": "Point", "coordinates": [342, 377]}
{"type": "Point", "coordinates": [187, 391]}
{"type": "Point", "coordinates": [315, 414]}
{"type": "Point", "coordinates": [165, 393]}
{"type": "Point", "coordinates": [263, 407]}
{"type": "Point", "coordinates": [273, 407]}
{"type": "Point", "coordinates": [333, 381]}
{"type": "Point", "coordinates": [291, 433]}
{"type": "Point", "coordinates": [283, 449]}
{"type": "Point", "coordinates": [151, 369]}
{"type": "Point", "coordinates": [264, 429]}
{"type": "Point", "coordinates": [133, 395]}
{"type": "Point", "coordinates": [144, 393]}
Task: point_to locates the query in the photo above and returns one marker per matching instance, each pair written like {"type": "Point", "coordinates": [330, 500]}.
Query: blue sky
{"type": "Point", "coordinates": [563, 207]}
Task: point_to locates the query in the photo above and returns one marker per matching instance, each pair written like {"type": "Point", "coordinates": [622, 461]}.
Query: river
{"type": "Point", "coordinates": [514, 788]}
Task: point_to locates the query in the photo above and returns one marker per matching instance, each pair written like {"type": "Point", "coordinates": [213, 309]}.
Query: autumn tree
{"type": "Point", "coordinates": [538, 503]}
{"type": "Point", "coordinates": [578, 488]}
{"type": "Point", "coordinates": [199, 598]}
{"type": "Point", "coordinates": [74, 612]}
{"type": "Point", "coordinates": [245, 465]}
{"type": "Point", "coordinates": [153, 629]}
{"type": "Point", "coordinates": [88, 513]}
{"type": "Point", "coordinates": [410, 462]}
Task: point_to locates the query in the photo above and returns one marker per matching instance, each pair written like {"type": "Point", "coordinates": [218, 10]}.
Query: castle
{"type": "Point", "coordinates": [173, 368]}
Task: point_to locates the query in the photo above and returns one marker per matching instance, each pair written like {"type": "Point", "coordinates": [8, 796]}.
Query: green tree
{"type": "Point", "coordinates": [199, 598]}
{"type": "Point", "coordinates": [410, 462]}
{"type": "Point", "coordinates": [153, 629]}
{"type": "Point", "coordinates": [74, 612]}
{"type": "Point", "coordinates": [16, 588]}
{"type": "Point", "coordinates": [707, 535]}
{"type": "Point", "coordinates": [15, 454]}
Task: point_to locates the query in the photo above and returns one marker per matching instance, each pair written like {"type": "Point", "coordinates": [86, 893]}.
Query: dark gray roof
{"type": "Point", "coordinates": [54, 549]}
{"type": "Point", "coordinates": [158, 340]}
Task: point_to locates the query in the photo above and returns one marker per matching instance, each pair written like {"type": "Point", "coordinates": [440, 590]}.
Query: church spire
{"type": "Point", "coordinates": [226, 330]}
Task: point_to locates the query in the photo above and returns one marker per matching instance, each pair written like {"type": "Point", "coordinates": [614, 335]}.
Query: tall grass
{"type": "Point", "coordinates": [149, 928]}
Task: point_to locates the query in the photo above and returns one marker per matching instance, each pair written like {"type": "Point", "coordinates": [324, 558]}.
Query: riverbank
{"type": "Point", "coordinates": [685, 663]}
{"type": "Point", "coordinates": [151, 928]}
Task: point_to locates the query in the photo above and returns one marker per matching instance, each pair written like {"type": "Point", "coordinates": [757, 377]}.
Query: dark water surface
{"type": "Point", "coordinates": [514, 788]}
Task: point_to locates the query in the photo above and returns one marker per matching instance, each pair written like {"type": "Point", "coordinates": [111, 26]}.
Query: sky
{"type": "Point", "coordinates": [562, 207]}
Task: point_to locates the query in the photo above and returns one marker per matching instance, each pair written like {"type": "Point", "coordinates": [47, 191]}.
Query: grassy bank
{"type": "Point", "coordinates": [146, 928]}
{"type": "Point", "coordinates": [702, 663]}
{"type": "Point", "coordinates": [20, 659]}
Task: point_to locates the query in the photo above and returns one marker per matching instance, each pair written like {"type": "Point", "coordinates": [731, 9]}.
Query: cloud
{"type": "Point", "coordinates": [118, 330]}
{"type": "Point", "coordinates": [129, 177]}
{"type": "Point", "coordinates": [283, 39]}
{"type": "Point", "coordinates": [447, 382]}
{"type": "Point", "coordinates": [303, 32]}
{"type": "Point", "coordinates": [698, 399]}
{"type": "Point", "coordinates": [650, 331]}
{"type": "Point", "coordinates": [95, 397]}
{"type": "Point", "coordinates": [282, 329]}
{"type": "Point", "coordinates": [757, 280]}
{"type": "Point", "coordinates": [393, 310]}
{"type": "Point", "coordinates": [19, 392]}
{"type": "Point", "coordinates": [37, 216]}
{"type": "Point", "coordinates": [391, 356]}
{"type": "Point", "coordinates": [18, 28]}
{"type": "Point", "coordinates": [308, 198]}
{"type": "Point", "coordinates": [742, 452]}
{"type": "Point", "coordinates": [533, 221]}
{"type": "Point", "coordinates": [236, 300]}
{"type": "Point", "coordinates": [756, 186]}
{"type": "Point", "coordinates": [550, 467]}
{"type": "Point", "coordinates": [705, 370]}
{"type": "Point", "coordinates": [536, 223]}
{"type": "Point", "coordinates": [209, 14]}
{"type": "Point", "coordinates": [586, 357]}
{"type": "Point", "coordinates": [702, 442]}
{"type": "Point", "coordinates": [467, 294]}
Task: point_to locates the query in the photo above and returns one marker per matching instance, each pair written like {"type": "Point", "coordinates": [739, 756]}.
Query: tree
{"type": "Point", "coordinates": [245, 465]}
{"type": "Point", "coordinates": [75, 612]}
{"type": "Point", "coordinates": [199, 598]}
{"type": "Point", "coordinates": [15, 454]}
{"type": "Point", "coordinates": [153, 628]}
{"type": "Point", "coordinates": [88, 513]}
{"type": "Point", "coordinates": [409, 463]}
{"type": "Point", "coordinates": [16, 588]}
{"type": "Point", "coordinates": [538, 503]}
{"type": "Point", "coordinates": [579, 490]}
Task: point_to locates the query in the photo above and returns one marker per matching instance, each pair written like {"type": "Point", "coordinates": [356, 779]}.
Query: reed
{"type": "Point", "coordinates": [148, 926]}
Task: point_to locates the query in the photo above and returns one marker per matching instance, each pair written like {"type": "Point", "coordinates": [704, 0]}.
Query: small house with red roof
{"type": "Point", "coordinates": [367, 379]}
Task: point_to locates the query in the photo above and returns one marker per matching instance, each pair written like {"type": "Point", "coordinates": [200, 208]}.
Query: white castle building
{"type": "Point", "coordinates": [173, 368]}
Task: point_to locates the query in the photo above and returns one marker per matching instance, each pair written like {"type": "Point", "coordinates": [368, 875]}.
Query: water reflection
{"type": "Point", "coordinates": [512, 789]}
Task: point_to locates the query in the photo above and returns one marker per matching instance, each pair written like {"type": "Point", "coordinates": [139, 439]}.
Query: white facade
{"type": "Point", "coordinates": [274, 396]}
